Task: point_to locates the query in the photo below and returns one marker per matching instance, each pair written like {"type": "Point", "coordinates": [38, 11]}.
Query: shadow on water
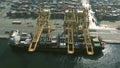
{"type": "Point", "coordinates": [93, 57]}
{"type": "Point", "coordinates": [96, 56]}
{"type": "Point", "coordinates": [53, 60]}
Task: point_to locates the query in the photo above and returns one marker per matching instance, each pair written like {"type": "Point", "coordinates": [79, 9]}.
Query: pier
{"type": "Point", "coordinates": [4, 36]}
{"type": "Point", "coordinates": [109, 36]}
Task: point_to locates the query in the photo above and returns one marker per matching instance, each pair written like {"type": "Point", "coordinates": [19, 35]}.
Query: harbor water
{"type": "Point", "coordinates": [10, 59]}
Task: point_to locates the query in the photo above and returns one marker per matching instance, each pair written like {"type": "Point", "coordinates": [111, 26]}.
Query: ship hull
{"type": "Point", "coordinates": [78, 50]}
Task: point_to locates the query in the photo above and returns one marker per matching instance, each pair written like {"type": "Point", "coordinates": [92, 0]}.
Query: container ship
{"type": "Point", "coordinates": [71, 37]}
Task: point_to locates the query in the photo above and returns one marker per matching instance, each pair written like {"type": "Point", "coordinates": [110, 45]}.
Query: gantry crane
{"type": "Point", "coordinates": [83, 24]}
{"type": "Point", "coordinates": [69, 28]}
{"type": "Point", "coordinates": [43, 24]}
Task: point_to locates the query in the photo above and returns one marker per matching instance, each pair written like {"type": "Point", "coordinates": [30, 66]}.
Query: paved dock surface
{"type": "Point", "coordinates": [110, 36]}
{"type": "Point", "coordinates": [29, 25]}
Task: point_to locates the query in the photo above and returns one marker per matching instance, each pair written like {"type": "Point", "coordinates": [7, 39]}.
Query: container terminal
{"type": "Point", "coordinates": [58, 29]}
{"type": "Point", "coordinates": [26, 27]}
{"type": "Point", "coordinates": [71, 37]}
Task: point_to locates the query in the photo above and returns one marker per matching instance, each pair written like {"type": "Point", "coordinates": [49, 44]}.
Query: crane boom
{"type": "Point", "coordinates": [83, 24]}
{"type": "Point", "coordinates": [43, 23]}
{"type": "Point", "coordinates": [70, 44]}
{"type": "Point", "coordinates": [35, 40]}
{"type": "Point", "coordinates": [69, 25]}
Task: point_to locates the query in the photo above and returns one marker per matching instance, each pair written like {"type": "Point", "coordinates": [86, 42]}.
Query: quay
{"type": "Point", "coordinates": [4, 36]}
{"type": "Point", "coordinates": [109, 36]}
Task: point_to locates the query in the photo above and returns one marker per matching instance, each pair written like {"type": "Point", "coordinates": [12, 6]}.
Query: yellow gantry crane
{"type": "Point", "coordinates": [69, 28]}
{"type": "Point", "coordinates": [43, 24]}
{"type": "Point", "coordinates": [83, 24]}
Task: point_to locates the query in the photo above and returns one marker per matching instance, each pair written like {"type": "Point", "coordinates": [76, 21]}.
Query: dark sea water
{"type": "Point", "coordinates": [9, 59]}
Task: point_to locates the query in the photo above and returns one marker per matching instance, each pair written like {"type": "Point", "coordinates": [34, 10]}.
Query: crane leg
{"type": "Point", "coordinates": [70, 46]}
{"type": "Point", "coordinates": [35, 40]}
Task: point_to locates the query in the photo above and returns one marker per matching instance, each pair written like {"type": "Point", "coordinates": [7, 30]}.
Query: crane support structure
{"type": "Point", "coordinates": [42, 24]}
{"type": "Point", "coordinates": [69, 28]}
{"type": "Point", "coordinates": [83, 24]}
